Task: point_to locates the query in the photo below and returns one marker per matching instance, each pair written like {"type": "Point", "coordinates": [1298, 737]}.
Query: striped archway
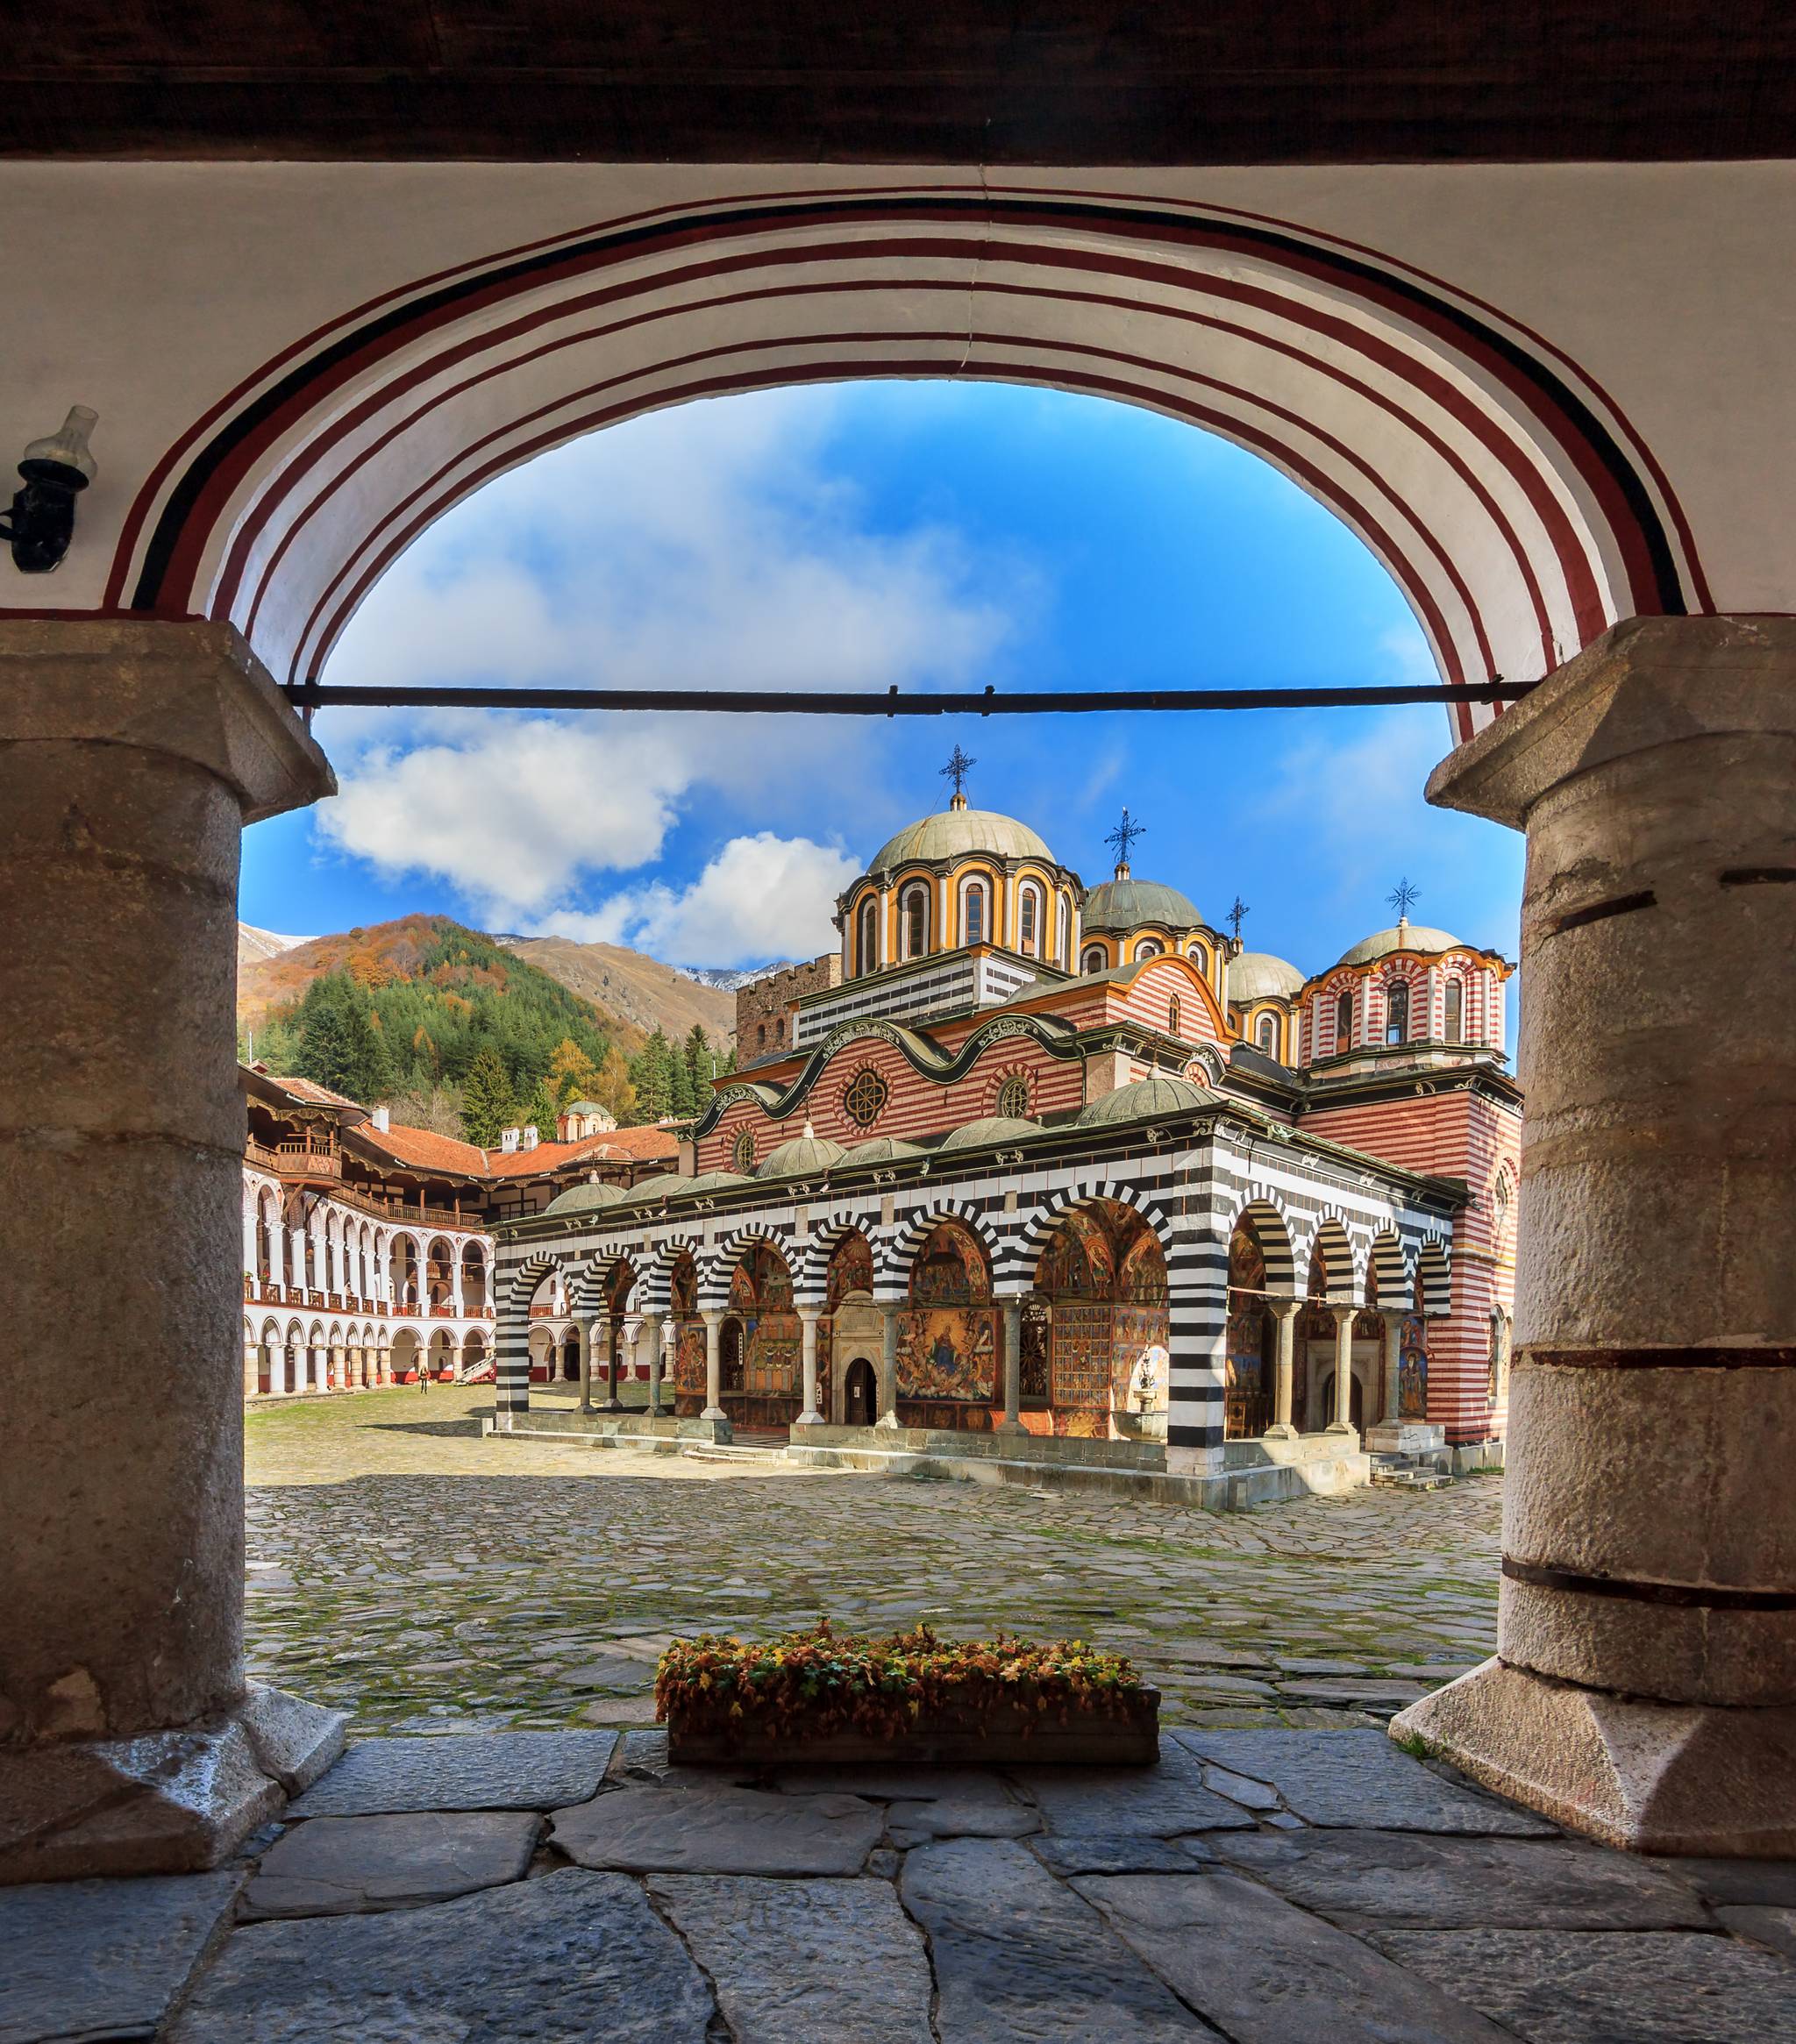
{"type": "Point", "coordinates": [716, 1272]}
{"type": "Point", "coordinates": [892, 1271]}
{"type": "Point", "coordinates": [511, 1372]}
{"type": "Point", "coordinates": [1516, 507]}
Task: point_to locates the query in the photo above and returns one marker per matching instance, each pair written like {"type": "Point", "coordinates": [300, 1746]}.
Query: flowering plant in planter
{"type": "Point", "coordinates": [829, 1695]}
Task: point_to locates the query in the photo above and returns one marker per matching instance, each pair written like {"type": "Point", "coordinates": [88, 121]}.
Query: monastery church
{"type": "Point", "coordinates": [1027, 1159]}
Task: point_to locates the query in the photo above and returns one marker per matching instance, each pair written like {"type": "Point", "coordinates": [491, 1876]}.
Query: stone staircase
{"type": "Point", "coordinates": [1406, 1473]}
{"type": "Point", "coordinates": [766, 1453]}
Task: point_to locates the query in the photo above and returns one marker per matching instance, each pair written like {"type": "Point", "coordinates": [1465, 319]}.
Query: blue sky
{"type": "Point", "coordinates": [928, 534]}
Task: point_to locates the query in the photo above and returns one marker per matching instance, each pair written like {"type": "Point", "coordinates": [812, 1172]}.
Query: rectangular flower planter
{"type": "Point", "coordinates": [1009, 1735]}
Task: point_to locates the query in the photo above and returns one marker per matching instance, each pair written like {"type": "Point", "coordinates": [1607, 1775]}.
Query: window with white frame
{"type": "Point", "coordinates": [1095, 960]}
{"type": "Point", "coordinates": [914, 916]}
{"type": "Point", "coordinates": [1267, 1033]}
{"type": "Point", "coordinates": [1172, 1014]}
{"type": "Point", "coordinates": [1455, 1030]}
{"type": "Point", "coordinates": [1150, 947]}
{"type": "Point", "coordinates": [869, 940]}
{"type": "Point", "coordinates": [1063, 948]}
{"type": "Point", "coordinates": [1028, 917]}
{"type": "Point", "coordinates": [1397, 1012]}
{"type": "Point", "coordinates": [1344, 1021]}
{"type": "Point", "coordinates": [973, 912]}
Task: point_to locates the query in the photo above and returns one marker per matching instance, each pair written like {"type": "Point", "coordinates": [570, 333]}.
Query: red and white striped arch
{"type": "Point", "coordinates": [1514, 505]}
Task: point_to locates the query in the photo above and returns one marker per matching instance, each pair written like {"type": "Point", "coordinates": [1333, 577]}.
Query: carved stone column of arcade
{"type": "Point", "coordinates": [714, 1366]}
{"type": "Point", "coordinates": [1644, 1684]}
{"type": "Point", "coordinates": [1341, 1420]}
{"type": "Point", "coordinates": [131, 756]}
{"type": "Point", "coordinates": [808, 1319]}
{"type": "Point", "coordinates": [1012, 1420]}
{"type": "Point", "coordinates": [1283, 1312]}
{"type": "Point", "coordinates": [887, 1415]}
{"type": "Point", "coordinates": [605, 1341]}
{"type": "Point", "coordinates": [582, 1334]}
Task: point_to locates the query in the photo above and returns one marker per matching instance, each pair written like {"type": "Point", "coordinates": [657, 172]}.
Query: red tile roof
{"type": "Point", "coordinates": [421, 1151]}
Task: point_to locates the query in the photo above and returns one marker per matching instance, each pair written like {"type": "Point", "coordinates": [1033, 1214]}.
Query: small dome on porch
{"type": "Point", "coordinates": [664, 1186]}
{"type": "Point", "coordinates": [881, 1149]}
{"type": "Point", "coordinates": [1145, 1101]}
{"type": "Point", "coordinates": [992, 1128]}
{"type": "Point", "coordinates": [586, 1199]}
{"type": "Point", "coordinates": [805, 1156]}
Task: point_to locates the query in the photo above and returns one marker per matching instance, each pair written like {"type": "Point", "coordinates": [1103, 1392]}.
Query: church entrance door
{"type": "Point", "coordinates": [859, 1394]}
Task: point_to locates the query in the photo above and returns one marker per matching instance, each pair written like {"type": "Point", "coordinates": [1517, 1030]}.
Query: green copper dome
{"type": "Point", "coordinates": [1148, 1100]}
{"type": "Point", "coordinates": [586, 1199]}
{"type": "Point", "coordinates": [1407, 937]}
{"type": "Point", "coordinates": [956, 831]}
{"type": "Point", "coordinates": [1259, 976]}
{"type": "Point", "coordinates": [1127, 904]}
{"type": "Point", "coordinates": [805, 1156]}
{"type": "Point", "coordinates": [881, 1149]}
{"type": "Point", "coordinates": [993, 1128]}
{"type": "Point", "coordinates": [664, 1186]}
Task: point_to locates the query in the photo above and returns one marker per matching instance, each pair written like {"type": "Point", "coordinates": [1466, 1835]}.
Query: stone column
{"type": "Point", "coordinates": [277, 1254]}
{"type": "Point", "coordinates": [1394, 1354]}
{"type": "Point", "coordinates": [654, 1332]}
{"type": "Point", "coordinates": [714, 1366]}
{"type": "Point", "coordinates": [582, 1334]}
{"type": "Point", "coordinates": [888, 1362]}
{"type": "Point", "coordinates": [1012, 1421]}
{"type": "Point", "coordinates": [607, 1335]}
{"type": "Point", "coordinates": [249, 1248]}
{"type": "Point", "coordinates": [1342, 1421]}
{"type": "Point", "coordinates": [251, 1368]}
{"type": "Point", "coordinates": [808, 1319]}
{"type": "Point", "coordinates": [130, 755]}
{"type": "Point", "coordinates": [1644, 1686]}
{"type": "Point", "coordinates": [1283, 1312]}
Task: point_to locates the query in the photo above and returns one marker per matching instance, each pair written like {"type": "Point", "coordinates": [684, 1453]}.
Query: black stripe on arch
{"type": "Point", "coordinates": [166, 536]}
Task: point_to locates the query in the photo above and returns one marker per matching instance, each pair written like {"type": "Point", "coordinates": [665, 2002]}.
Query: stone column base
{"type": "Point", "coordinates": [1692, 1778]}
{"type": "Point", "coordinates": [1406, 1437]}
{"type": "Point", "coordinates": [174, 1802]}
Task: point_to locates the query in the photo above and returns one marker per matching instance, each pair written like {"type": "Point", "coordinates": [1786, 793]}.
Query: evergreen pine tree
{"type": "Point", "coordinates": [652, 1074]}
{"type": "Point", "coordinates": [679, 1100]}
{"type": "Point", "coordinates": [487, 1105]}
{"type": "Point", "coordinates": [701, 1062]}
{"type": "Point", "coordinates": [541, 1110]}
{"type": "Point", "coordinates": [326, 1047]}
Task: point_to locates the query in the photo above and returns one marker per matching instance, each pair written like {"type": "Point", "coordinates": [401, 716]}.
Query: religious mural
{"type": "Point", "coordinates": [1105, 1279]}
{"type": "Point", "coordinates": [1412, 1369]}
{"type": "Point", "coordinates": [851, 1270]}
{"type": "Point", "coordinates": [1247, 1405]}
{"type": "Point", "coordinates": [760, 1295]}
{"type": "Point", "coordinates": [948, 1340]}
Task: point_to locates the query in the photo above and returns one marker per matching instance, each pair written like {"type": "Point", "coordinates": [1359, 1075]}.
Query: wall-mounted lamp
{"type": "Point", "coordinates": [55, 470]}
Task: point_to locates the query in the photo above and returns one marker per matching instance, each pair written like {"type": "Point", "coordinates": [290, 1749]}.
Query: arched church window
{"type": "Point", "coordinates": [1456, 1012]}
{"type": "Point", "coordinates": [1268, 1035]}
{"type": "Point", "coordinates": [869, 934]}
{"type": "Point", "coordinates": [1094, 960]}
{"type": "Point", "coordinates": [864, 1097]}
{"type": "Point", "coordinates": [760, 1037]}
{"type": "Point", "coordinates": [1343, 1022]}
{"type": "Point", "coordinates": [1149, 948]}
{"type": "Point", "coordinates": [1013, 1098]}
{"type": "Point", "coordinates": [1172, 1015]}
{"type": "Point", "coordinates": [1029, 908]}
{"type": "Point", "coordinates": [973, 914]}
{"type": "Point", "coordinates": [1397, 1013]}
{"type": "Point", "coordinates": [742, 1153]}
{"type": "Point", "coordinates": [1063, 948]}
{"type": "Point", "coordinates": [914, 909]}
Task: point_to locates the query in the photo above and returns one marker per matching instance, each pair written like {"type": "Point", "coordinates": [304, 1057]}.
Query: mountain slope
{"type": "Point", "coordinates": [253, 944]}
{"type": "Point", "coordinates": [641, 989]}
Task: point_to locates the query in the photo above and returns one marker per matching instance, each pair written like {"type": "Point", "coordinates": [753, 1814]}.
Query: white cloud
{"type": "Point", "coordinates": [761, 897]}
{"type": "Point", "coordinates": [708, 545]}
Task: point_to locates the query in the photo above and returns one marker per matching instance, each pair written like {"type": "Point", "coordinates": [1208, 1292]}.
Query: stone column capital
{"type": "Point", "coordinates": [1344, 1311]}
{"type": "Point", "coordinates": [1284, 1308]}
{"type": "Point", "coordinates": [193, 691]}
{"type": "Point", "coordinates": [1645, 683]}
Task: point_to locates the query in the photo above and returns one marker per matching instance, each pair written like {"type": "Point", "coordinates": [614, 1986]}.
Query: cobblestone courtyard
{"type": "Point", "coordinates": [406, 1570]}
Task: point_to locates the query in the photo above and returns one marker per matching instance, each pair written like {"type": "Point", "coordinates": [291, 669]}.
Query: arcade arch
{"type": "Point", "coordinates": [1095, 1331]}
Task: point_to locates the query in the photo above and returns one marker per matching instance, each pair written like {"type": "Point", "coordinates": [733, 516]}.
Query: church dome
{"type": "Point", "coordinates": [712, 1181]}
{"type": "Point", "coordinates": [1259, 976]}
{"type": "Point", "coordinates": [586, 1199]}
{"type": "Point", "coordinates": [664, 1186]}
{"type": "Point", "coordinates": [805, 1156]}
{"type": "Point", "coordinates": [957, 831]}
{"type": "Point", "coordinates": [993, 1128]}
{"type": "Point", "coordinates": [881, 1149]}
{"type": "Point", "coordinates": [1145, 1101]}
{"type": "Point", "coordinates": [1407, 937]}
{"type": "Point", "coordinates": [1127, 903]}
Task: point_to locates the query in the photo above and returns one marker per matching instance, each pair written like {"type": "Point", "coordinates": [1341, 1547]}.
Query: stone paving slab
{"type": "Point", "coordinates": [102, 1959]}
{"type": "Point", "coordinates": [667, 1830]}
{"type": "Point", "coordinates": [1267, 1973]}
{"type": "Point", "coordinates": [1118, 1852]}
{"type": "Point", "coordinates": [1411, 1880]}
{"type": "Point", "coordinates": [1753, 1884]}
{"type": "Point", "coordinates": [497, 1770]}
{"type": "Point", "coordinates": [1774, 1928]}
{"type": "Point", "coordinates": [977, 1807]}
{"type": "Point", "coordinates": [563, 1960]}
{"type": "Point", "coordinates": [1358, 1780]}
{"type": "Point", "coordinates": [1019, 1958]}
{"type": "Point", "coordinates": [1160, 1801]}
{"type": "Point", "coordinates": [794, 1962]}
{"type": "Point", "coordinates": [332, 1865]}
{"type": "Point", "coordinates": [1610, 1987]}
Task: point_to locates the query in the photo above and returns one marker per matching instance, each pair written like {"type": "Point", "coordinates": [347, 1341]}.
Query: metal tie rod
{"type": "Point", "coordinates": [312, 695]}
